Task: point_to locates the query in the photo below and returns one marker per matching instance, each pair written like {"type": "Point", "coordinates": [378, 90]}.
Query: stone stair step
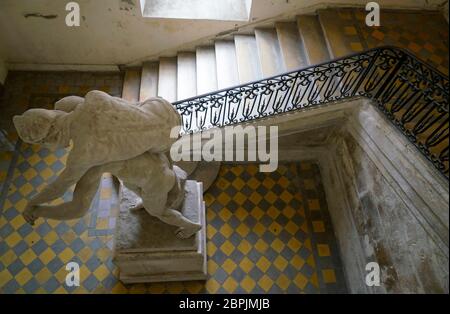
{"type": "Point", "coordinates": [291, 46]}
{"type": "Point", "coordinates": [131, 84]}
{"type": "Point", "coordinates": [335, 34]}
{"type": "Point", "coordinates": [313, 39]}
{"type": "Point", "coordinates": [206, 70]}
{"type": "Point", "coordinates": [249, 67]}
{"type": "Point", "coordinates": [167, 79]}
{"type": "Point", "coordinates": [226, 63]}
{"type": "Point", "coordinates": [149, 81]}
{"type": "Point", "coordinates": [186, 75]}
{"type": "Point", "coordinates": [269, 52]}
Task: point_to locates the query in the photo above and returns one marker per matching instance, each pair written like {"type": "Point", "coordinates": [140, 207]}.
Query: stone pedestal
{"type": "Point", "coordinates": [147, 250]}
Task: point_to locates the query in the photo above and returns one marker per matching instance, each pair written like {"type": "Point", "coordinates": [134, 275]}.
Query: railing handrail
{"type": "Point", "coordinates": [218, 91]}
{"type": "Point", "coordinates": [411, 93]}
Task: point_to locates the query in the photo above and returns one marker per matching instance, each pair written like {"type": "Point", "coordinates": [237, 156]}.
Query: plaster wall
{"type": "Point", "coordinates": [113, 32]}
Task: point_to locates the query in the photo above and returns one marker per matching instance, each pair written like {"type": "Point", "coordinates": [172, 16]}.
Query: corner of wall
{"type": "Point", "coordinates": [141, 4]}
{"type": "Point", "coordinates": [3, 72]}
{"type": "Point", "coordinates": [445, 11]}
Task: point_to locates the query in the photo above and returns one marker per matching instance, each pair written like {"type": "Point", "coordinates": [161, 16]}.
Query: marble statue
{"type": "Point", "coordinates": [109, 134]}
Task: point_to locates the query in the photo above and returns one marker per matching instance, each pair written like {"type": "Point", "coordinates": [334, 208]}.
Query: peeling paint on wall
{"type": "Point", "coordinates": [130, 2]}
{"type": "Point", "coordinates": [44, 16]}
{"type": "Point", "coordinates": [127, 5]}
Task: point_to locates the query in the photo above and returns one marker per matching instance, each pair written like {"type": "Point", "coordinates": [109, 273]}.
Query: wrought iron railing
{"type": "Point", "coordinates": [413, 95]}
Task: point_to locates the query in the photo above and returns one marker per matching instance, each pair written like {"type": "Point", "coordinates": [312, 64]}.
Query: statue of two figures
{"type": "Point", "coordinates": [109, 134]}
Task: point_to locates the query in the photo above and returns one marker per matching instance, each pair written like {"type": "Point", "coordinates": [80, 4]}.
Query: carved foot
{"type": "Point", "coordinates": [29, 216]}
{"type": "Point", "coordinates": [184, 233]}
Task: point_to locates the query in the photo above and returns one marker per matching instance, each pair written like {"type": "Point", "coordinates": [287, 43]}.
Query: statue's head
{"type": "Point", "coordinates": [39, 126]}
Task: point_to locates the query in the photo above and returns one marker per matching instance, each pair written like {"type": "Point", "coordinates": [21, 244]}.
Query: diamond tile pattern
{"type": "Point", "coordinates": [260, 235]}
{"type": "Point", "coordinates": [33, 259]}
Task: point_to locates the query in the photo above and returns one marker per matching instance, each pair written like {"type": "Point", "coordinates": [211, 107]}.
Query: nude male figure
{"type": "Point", "coordinates": [103, 130]}
{"type": "Point", "coordinates": [149, 175]}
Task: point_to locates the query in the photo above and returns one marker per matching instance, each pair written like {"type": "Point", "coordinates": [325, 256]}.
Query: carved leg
{"type": "Point", "coordinates": [84, 192]}
{"type": "Point", "coordinates": [155, 206]}
{"type": "Point", "coordinates": [175, 197]}
{"type": "Point", "coordinates": [186, 228]}
{"type": "Point", "coordinates": [138, 191]}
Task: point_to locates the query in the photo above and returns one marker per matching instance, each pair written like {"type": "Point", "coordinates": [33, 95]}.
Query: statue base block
{"type": "Point", "coordinates": [147, 250]}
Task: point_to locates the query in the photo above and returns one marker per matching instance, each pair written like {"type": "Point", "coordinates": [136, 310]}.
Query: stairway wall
{"type": "Point", "coordinates": [390, 227]}
{"type": "Point", "coordinates": [445, 10]}
{"type": "Point", "coordinates": [423, 33]}
{"type": "Point", "coordinates": [398, 204]}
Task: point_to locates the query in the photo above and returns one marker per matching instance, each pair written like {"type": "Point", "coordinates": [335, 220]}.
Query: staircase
{"type": "Point", "coordinates": [287, 46]}
{"type": "Point", "coordinates": [240, 59]}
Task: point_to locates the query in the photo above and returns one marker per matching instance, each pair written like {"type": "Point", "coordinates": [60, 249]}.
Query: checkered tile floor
{"type": "Point", "coordinates": [270, 232]}
{"type": "Point", "coordinates": [265, 233]}
{"type": "Point", "coordinates": [33, 259]}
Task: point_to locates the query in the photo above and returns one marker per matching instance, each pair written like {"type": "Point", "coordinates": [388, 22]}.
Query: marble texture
{"type": "Point", "coordinates": [146, 249]}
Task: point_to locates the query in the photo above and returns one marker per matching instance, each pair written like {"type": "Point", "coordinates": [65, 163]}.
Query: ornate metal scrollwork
{"type": "Point", "coordinates": [413, 95]}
